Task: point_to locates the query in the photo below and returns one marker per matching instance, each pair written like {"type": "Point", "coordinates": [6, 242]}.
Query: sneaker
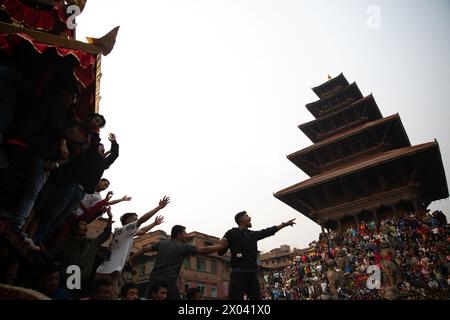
{"type": "Point", "coordinates": [33, 247]}
{"type": "Point", "coordinates": [27, 239]}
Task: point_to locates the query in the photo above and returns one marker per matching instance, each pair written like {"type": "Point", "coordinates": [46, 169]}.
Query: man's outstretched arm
{"type": "Point", "coordinates": [264, 233]}
{"type": "Point", "coordinates": [124, 198]}
{"type": "Point", "coordinates": [225, 248]}
{"type": "Point", "coordinates": [285, 224]}
{"type": "Point", "coordinates": [144, 230]}
{"type": "Point", "coordinates": [211, 249]}
{"type": "Point", "coordinates": [162, 203]}
{"type": "Point", "coordinates": [144, 250]}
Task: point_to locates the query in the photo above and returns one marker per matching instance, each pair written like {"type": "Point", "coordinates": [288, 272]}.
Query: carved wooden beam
{"type": "Point", "coordinates": [50, 38]}
{"type": "Point", "coordinates": [418, 168]}
{"type": "Point", "coordinates": [304, 204]}
{"type": "Point", "coordinates": [386, 133]}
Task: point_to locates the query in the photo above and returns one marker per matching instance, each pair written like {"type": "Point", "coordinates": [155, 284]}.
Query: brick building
{"type": "Point", "coordinates": [282, 257]}
{"type": "Point", "coordinates": [277, 258]}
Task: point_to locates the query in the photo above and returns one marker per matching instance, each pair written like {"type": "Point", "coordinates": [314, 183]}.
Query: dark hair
{"type": "Point", "coordinates": [154, 287]}
{"type": "Point", "coordinates": [42, 272]}
{"type": "Point", "coordinates": [104, 179]}
{"type": "Point", "coordinates": [176, 229]}
{"type": "Point", "coordinates": [125, 216]}
{"type": "Point", "coordinates": [77, 222]}
{"type": "Point", "coordinates": [39, 273]}
{"type": "Point", "coordinates": [238, 216]}
{"type": "Point", "coordinates": [102, 118]}
{"type": "Point", "coordinates": [126, 288]}
{"type": "Point", "coordinates": [98, 283]}
{"type": "Point", "coordinates": [191, 292]}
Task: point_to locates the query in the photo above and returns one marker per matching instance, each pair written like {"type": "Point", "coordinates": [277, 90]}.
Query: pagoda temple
{"type": "Point", "coordinates": [362, 165]}
{"type": "Point", "coordinates": [37, 39]}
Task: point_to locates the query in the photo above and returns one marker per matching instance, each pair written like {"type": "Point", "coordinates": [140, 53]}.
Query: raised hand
{"type": "Point", "coordinates": [49, 166]}
{"type": "Point", "coordinates": [290, 222]}
{"type": "Point", "coordinates": [108, 211]}
{"type": "Point", "coordinates": [163, 202]}
{"type": "Point", "coordinates": [109, 195]}
{"type": "Point", "coordinates": [224, 242]}
{"type": "Point", "coordinates": [112, 137]}
{"type": "Point", "coordinates": [159, 220]}
{"type": "Point", "coordinates": [64, 151]}
{"type": "Point", "coordinates": [126, 198]}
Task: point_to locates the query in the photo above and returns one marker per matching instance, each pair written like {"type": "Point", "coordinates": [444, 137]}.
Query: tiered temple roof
{"type": "Point", "coordinates": [360, 162]}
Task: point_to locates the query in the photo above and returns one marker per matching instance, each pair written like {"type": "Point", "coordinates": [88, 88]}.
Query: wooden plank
{"type": "Point", "coordinates": [51, 38]}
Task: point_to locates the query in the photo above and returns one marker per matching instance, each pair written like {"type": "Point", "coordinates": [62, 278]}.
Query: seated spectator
{"type": "Point", "coordinates": [102, 290]}
{"type": "Point", "coordinates": [158, 291]}
{"type": "Point", "coordinates": [50, 283]}
{"type": "Point", "coordinates": [419, 252]}
{"type": "Point", "coordinates": [129, 291]}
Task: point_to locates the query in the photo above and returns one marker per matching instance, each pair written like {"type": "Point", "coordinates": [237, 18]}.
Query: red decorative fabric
{"type": "Point", "coordinates": [31, 17]}
{"type": "Point", "coordinates": [61, 11]}
{"type": "Point", "coordinates": [84, 72]}
{"type": "Point", "coordinates": [34, 18]}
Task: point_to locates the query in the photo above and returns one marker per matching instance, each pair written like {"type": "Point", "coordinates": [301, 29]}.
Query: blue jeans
{"type": "Point", "coordinates": [67, 201]}
{"type": "Point", "coordinates": [38, 177]}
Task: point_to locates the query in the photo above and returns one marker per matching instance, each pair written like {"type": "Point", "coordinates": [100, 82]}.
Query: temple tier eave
{"type": "Point", "coordinates": [410, 173]}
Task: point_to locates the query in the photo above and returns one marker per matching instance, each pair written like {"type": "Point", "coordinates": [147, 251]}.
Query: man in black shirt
{"type": "Point", "coordinates": [244, 250]}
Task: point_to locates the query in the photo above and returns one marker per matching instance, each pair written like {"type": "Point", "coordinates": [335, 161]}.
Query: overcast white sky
{"type": "Point", "coordinates": [205, 96]}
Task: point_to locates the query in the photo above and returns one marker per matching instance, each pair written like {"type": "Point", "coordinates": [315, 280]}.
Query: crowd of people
{"type": "Point", "coordinates": [52, 162]}
{"type": "Point", "coordinates": [420, 253]}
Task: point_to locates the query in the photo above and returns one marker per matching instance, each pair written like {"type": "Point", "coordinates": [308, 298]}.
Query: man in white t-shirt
{"type": "Point", "coordinates": [90, 200]}
{"type": "Point", "coordinates": [123, 238]}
